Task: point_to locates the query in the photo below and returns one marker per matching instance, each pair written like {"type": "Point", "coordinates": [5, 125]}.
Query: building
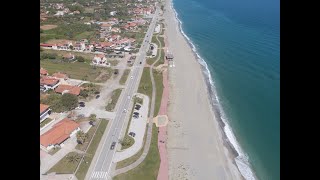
{"type": "Point", "coordinates": [63, 88]}
{"type": "Point", "coordinates": [43, 72]}
{"type": "Point", "coordinates": [69, 57]}
{"type": "Point", "coordinates": [106, 26]}
{"type": "Point", "coordinates": [100, 60]}
{"type": "Point", "coordinates": [60, 76]}
{"type": "Point", "coordinates": [113, 13]}
{"type": "Point", "coordinates": [47, 83]}
{"type": "Point", "coordinates": [169, 57]}
{"type": "Point", "coordinates": [45, 111]}
{"type": "Point", "coordinates": [59, 133]}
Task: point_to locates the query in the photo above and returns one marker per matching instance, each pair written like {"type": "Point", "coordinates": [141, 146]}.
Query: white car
{"type": "Point", "coordinates": [78, 108]}
{"type": "Point", "coordinates": [125, 110]}
{"type": "Point", "coordinates": [128, 97]}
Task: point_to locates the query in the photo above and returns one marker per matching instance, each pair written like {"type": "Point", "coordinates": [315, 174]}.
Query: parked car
{"type": "Point", "coordinates": [97, 96]}
{"type": "Point", "coordinates": [132, 134]}
{"type": "Point", "coordinates": [137, 106]}
{"type": "Point", "coordinates": [135, 116]}
{"type": "Point", "coordinates": [82, 105]}
{"type": "Point", "coordinates": [136, 113]}
{"type": "Point", "coordinates": [140, 62]}
{"type": "Point", "coordinates": [113, 145]}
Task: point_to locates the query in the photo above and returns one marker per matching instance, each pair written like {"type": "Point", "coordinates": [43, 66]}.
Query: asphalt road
{"type": "Point", "coordinates": [103, 164]}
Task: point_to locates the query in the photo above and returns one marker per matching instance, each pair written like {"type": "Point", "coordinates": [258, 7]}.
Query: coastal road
{"type": "Point", "coordinates": [101, 167]}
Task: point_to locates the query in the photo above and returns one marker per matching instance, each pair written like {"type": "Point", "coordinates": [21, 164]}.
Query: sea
{"type": "Point", "coordinates": [238, 45]}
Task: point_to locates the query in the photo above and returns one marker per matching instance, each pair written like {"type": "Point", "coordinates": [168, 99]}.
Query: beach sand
{"type": "Point", "coordinates": [194, 145]}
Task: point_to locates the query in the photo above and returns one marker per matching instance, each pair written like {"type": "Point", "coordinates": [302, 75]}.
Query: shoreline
{"type": "Point", "coordinates": [230, 151]}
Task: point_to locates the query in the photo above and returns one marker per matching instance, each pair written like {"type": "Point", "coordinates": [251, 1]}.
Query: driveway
{"type": "Point", "coordinates": [137, 126]}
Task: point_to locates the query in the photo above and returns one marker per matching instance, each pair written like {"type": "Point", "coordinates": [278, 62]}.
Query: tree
{"type": "Point", "coordinates": [80, 137]}
{"type": "Point", "coordinates": [74, 158]}
{"type": "Point", "coordinates": [80, 58]}
{"type": "Point", "coordinates": [69, 101]}
{"type": "Point", "coordinates": [84, 93]}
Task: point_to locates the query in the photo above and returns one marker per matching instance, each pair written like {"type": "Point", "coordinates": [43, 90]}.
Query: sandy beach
{"type": "Point", "coordinates": [195, 146]}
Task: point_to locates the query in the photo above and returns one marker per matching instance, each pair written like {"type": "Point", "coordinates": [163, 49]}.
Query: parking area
{"type": "Point", "coordinates": [138, 127]}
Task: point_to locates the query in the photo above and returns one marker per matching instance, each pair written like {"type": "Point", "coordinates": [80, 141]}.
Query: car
{"type": "Point", "coordinates": [131, 77]}
{"type": "Point", "coordinates": [138, 106]}
{"type": "Point", "coordinates": [132, 134]}
{"type": "Point", "coordinates": [135, 116]}
{"type": "Point", "coordinates": [82, 105]}
{"type": "Point", "coordinates": [97, 96]}
{"type": "Point", "coordinates": [140, 62]}
{"type": "Point", "coordinates": [136, 113]}
{"type": "Point", "coordinates": [128, 97]}
{"type": "Point", "coordinates": [124, 110]}
{"type": "Point", "coordinates": [113, 145]}
{"type": "Point", "coordinates": [81, 116]}
{"type": "Point", "coordinates": [97, 92]}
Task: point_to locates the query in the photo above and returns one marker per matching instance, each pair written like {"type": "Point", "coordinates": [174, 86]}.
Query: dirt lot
{"type": "Point", "coordinates": [47, 27]}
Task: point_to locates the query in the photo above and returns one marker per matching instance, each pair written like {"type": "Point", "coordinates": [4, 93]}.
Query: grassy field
{"type": "Point", "coordinates": [148, 169]}
{"type": "Point", "coordinates": [83, 147]}
{"type": "Point", "coordinates": [65, 165]}
{"type": "Point", "coordinates": [159, 90]}
{"type": "Point", "coordinates": [113, 62]}
{"type": "Point", "coordinates": [114, 99]}
{"type": "Point", "coordinates": [145, 86]}
{"type": "Point", "coordinates": [85, 164]}
{"type": "Point", "coordinates": [87, 56]}
{"type": "Point", "coordinates": [132, 159]}
{"type": "Point", "coordinates": [124, 77]}
{"type": "Point", "coordinates": [46, 121]}
{"type": "Point", "coordinates": [78, 70]}
{"type": "Point", "coordinates": [161, 60]}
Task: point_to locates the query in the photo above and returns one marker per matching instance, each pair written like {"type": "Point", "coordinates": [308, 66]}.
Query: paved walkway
{"type": "Point", "coordinates": [137, 126]}
{"type": "Point", "coordinates": [150, 124]}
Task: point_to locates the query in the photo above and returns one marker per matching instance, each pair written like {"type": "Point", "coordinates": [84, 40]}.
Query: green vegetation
{"type": "Point", "coordinates": [85, 164]}
{"type": "Point", "coordinates": [65, 31]}
{"type": "Point", "coordinates": [78, 70]}
{"type": "Point", "coordinates": [58, 54]}
{"type": "Point", "coordinates": [90, 133]}
{"type": "Point", "coordinates": [82, 137]}
{"type": "Point", "coordinates": [124, 77]}
{"type": "Point", "coordinates": [134, 158]}
{"type": "Point", "coordinates": [89, 90]}
{"type": "Point", "coordinates": [127, 141]}
{"type": "Point", "coordinates": [114, 98]}
{"type": "Point", "coordinates": [157, 75]}
{"type": "Point", "coordinates": [67, 164]}
{"type": "Point", "coordinates": [69, 101]}
{"type": "Point", "coordinates": [161, 60]}
{"type": "Point", "coordinates": [46, 121]}
{"type": "Point", "coordinates": [145, 86]}
{"type": "Point", "coordinates": [149, 168]}
{"type": "Point", "coordinates": [60, 103]}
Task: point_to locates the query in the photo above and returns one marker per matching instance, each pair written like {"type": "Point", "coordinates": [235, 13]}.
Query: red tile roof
{"type": "Point", "coordinates": [48, 81]}
{"type": "Point", "coordinates": [43, 71]}
{"type": "Point", "coordinates": [58, 133]}
{"type": "Point", "coordinates": [59, 75]}
{"type": "Point", "coordinates": [43, 108]}
{"type": "Point", "coordinates": [62, 88]}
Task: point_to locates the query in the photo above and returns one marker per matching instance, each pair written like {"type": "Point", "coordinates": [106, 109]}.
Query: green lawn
{"type": "Point", "coordinates": [130, 141]}
{"type": "Point", "coordinates": [161, 60]}
{"type": "Point", "coordinates": [114, 99]}
{"type": "Point", "coordinates": [46, 121]}
{"type": "Point", "coordinates": [124, 77]}
{"type": "Point", "coordinates": [83, 147]}
{"type": "Point", "coordinates": [87, 56]}
{"type": "Point", "coordinates": [85, 164]}
{"type": "Point", "coordinates": [159, 90]}
{"type": "Point", "coordinates": [113, 62]}
{"type": "Point", "coordinates": [65, 165]}
{"type": "Point", "coordinates": [77, 70]}
{"type": "Point", "coordinates": [145, 86]}
{"type": "Point", "coordinates": [148, 169]}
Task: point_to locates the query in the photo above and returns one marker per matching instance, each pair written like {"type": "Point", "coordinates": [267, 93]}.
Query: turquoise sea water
{"type": "Point", "coordinates": [240, 42]}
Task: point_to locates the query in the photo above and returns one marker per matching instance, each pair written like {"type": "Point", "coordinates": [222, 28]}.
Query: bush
{"type": "Point", "coordinates": [80, 58]}
{"type": "Point", "coordinates": [48, 55]}
{"type": "Point", "coordinates": [84, 93]}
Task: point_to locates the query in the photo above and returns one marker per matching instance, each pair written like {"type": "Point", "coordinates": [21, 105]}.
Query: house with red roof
{"type": "Point", "coordinates": [60, 76]}
{"type": "Point", "coordinates": [43, 72]}
{"type": "Point", "coordinates": [47, 83]}
{"type": "Point", "coordinates": [58, 134]}
{"type": "Point", "coordinates": [63, 88]}
{"type": "Point", "coordinates": [45, 111]}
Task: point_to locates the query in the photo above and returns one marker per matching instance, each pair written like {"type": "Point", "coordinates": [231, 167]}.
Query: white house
{"type": "Point", "coordinates": [113, 13]}
{"type": "Point", "coordinates": [45, 111]}
{"type": "Point", "coordinates": [100, 60]}
{"type": "Point", "coordinates": [59, 13]}
{"type": "Point", "coordinates": [48, 83]}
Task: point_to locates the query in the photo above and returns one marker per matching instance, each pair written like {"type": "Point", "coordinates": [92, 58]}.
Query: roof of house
{"type": "Point", "coordinates": [43, 71]}
{"type": "Point", "coordinates": [58, 133]}
{"type": "Point", "coordinates": [63, 88]}
{"type": "Point", "coordinates": [43, 108]}
{"type": "Point", "coordinates": [59, 75]}
{"type": "Point", "coordinates": [48, 81]}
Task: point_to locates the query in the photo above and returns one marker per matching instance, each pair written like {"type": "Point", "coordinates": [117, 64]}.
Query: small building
{"type": "Point", "coordinates": [63, 88]}
{"type": "Point", "coordinates": [60, 76]}
{"type": "Point", "coordinates": [100, 60]}
{"type": "Point", "coordinates": [58, 134]}
{"type": "Point", "coordinates": [43, 72]}
{"type": "Point", "coordinates": [48, 83]}
{"type": "Point", "coordinates": [45, 111]}
{"type": "Point", "coordinates": [69, 56]}
{"type": "Point", "coordinates": [106, 26]}
{"type": "Point", "coordinates": [113, 13]}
